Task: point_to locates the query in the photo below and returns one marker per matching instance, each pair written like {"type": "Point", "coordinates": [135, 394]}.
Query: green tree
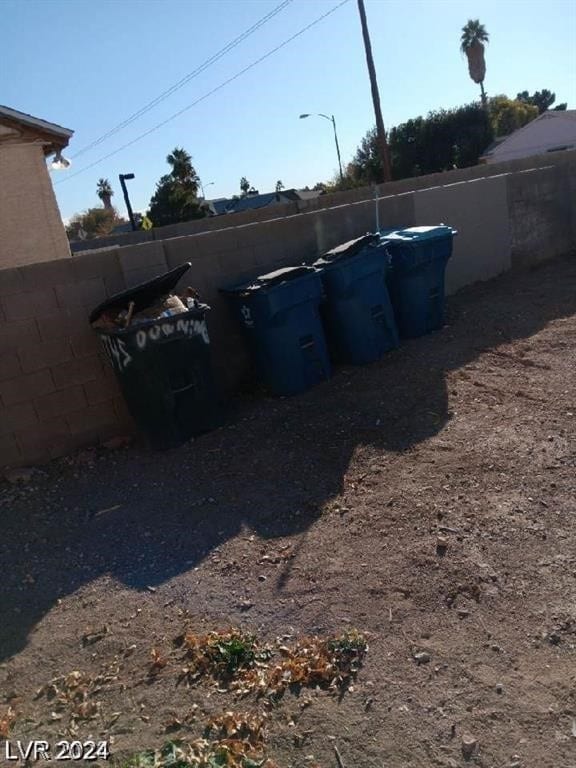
{"type": "Point", "coordinates": [279, 186]}
{"type": "Point", "coordinates": [92, 223]}
{"type": "Point", "coordinates": [474, 35]}
{"type": "Point", "coordinates": [182, 169]}
{"type": "Point", "coordinates": [507, 115]}
{"type": "Point", "coordinates": [542, 99]}
{"type": "Point", "coordinates": [176, 195]}
{"type": "Point", "coordinates": [438, 142]}
{"type": "Point", "coordinates": [104, 191]}
{"type": "Point", "coordinates": [244, 186]}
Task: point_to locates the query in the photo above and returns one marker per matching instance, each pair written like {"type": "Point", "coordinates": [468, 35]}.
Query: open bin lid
{"type": "Point", "coordinates": [348, 249]}
{"type": "Point", "coordinates": [143, 295]}
{"type": "Point", "coordinates": [269, 280]}
{"type": "Point", "coordinates": [420, 234]}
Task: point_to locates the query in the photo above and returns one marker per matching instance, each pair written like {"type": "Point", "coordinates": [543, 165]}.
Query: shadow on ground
{"type": "Point", "coordinates": [144, 518]}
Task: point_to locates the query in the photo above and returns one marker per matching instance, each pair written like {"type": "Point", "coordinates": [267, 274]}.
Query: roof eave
{"type": "Point", "coordinates": [53, 137]}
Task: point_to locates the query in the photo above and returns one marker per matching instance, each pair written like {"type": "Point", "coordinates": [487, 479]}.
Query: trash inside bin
{"type": "Point", "coordinates": [418, 258]}
{"type": "Point", "coordinates": [357, 313]}
{"type": "Point", "coordinates": [279, 314]}
{"type": "Point", "coordinates": [159, 347]}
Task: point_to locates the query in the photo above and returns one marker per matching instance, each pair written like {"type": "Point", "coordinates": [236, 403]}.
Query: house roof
{"type": "Point", "coordinates": [253, 202]}
{"type": "Point", "coordinates": [53, 136]}
{"type": "Point", "coordinates": [550, 114]}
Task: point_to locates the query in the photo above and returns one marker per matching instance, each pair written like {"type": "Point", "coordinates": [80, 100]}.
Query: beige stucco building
{"type": "Point", "coordinates": [31, 229]}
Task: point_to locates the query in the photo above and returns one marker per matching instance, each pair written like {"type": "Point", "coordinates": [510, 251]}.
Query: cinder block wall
{"type": "Point", "coordinates": [57, 392]}
{"type": "Point", "coordinates": [328, 201]}
{"type": "Point", "coordinates": [479, 211]}
{"type": "Point", "coordinates": [542, 209]}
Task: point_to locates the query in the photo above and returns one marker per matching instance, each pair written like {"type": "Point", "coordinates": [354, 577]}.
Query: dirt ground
{"type": "Point", "coordinates": [427, 500]}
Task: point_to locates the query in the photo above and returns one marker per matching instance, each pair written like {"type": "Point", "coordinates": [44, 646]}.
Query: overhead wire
{"type": "Point", "coordinates": [186, 79]}
{"type": "Point", "coordinates": [209, 93]}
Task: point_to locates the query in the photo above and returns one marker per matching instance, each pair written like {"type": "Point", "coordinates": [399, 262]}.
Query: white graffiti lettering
{"type": "Point", "coordinates": [185, 327]}
{"type": "Point", "coordinates": [116, 351]}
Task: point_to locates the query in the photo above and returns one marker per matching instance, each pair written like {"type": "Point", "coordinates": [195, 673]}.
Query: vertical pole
{"type": "Point", "coordinates": [127, 201]}
{"type": "Point", "coordinates": [337, 148]}
{"type": "Point", "coordinates": [380, 132]}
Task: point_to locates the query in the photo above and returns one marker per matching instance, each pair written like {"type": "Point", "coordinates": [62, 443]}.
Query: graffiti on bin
{"type": "Point", "coordinates": [117, 352]}
{"type": "Point", "coordinates": [186, 326]}
{"type": "Point", "coordinates": [247, 315]}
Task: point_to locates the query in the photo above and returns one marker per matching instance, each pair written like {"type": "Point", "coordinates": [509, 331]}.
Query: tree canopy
{"type": "Point", "coordinates": [443, 140]}
{"type": "Point", "coordinates": [104, 191]}
{"type": "Point", "coordinates": [176, 195]}
{"type": "Point", "coordinates": [92, 223]}
{"type": "Point", "coordinates": [473, 32]}
{"type": "Point", "coordinates": [542, 99]}
{"type": "Point", "coordinates": [507, 115]}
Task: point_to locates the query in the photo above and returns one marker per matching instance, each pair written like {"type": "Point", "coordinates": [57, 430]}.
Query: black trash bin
{"type": "Point", "coordinates": [163, 364]}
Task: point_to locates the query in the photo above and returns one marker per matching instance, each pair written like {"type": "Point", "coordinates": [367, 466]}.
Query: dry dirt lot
{"type": "Point", "coordinates": [427, 500]}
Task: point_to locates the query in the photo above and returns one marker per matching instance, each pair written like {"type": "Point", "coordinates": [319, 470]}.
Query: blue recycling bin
{"type": "Point", "coordinates": [279, 313]}
{"type": "Point", "coordinates": [357, 313]}
{"type": "Point", "coordinates": [418, 258]}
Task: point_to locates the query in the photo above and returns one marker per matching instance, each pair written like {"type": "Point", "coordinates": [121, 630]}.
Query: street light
{"type": "Point", "coordinates": [124, 177]}
{"type": "Point", "coordinates": [202, 187]}
{"type": "Point", "coordinates": [327, 117]}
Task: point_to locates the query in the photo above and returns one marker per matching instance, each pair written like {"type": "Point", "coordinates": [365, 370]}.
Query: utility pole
{"type": "Point", "coordinates": [382, 144]}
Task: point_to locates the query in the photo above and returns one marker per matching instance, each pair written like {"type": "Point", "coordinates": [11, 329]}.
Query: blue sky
{"type": "Point", "coordinates": [90, 64]}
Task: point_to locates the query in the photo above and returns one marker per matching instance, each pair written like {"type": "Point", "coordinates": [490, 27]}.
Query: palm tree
{"type": "Point", "coordinates": [105, 192]}
{"type": "Point", "coordinates": [474, 36]}
{"type": "Point", "coordinates": [182, 169]}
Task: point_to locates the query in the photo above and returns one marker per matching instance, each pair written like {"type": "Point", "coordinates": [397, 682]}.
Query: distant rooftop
{"type": "Point", "coordinates": [254, 201]}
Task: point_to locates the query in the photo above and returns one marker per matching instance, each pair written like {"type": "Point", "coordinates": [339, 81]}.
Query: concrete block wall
{"type": "Point", "coordinates": [542, 205]}
{"type": "Point", "coordinates": [479, 211]}
{"type": "Point", "coordinates": [328, 201]}
{"type": "Point", "coordinates": [57, 391]}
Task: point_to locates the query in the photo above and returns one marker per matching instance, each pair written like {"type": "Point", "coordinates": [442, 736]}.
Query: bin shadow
{"type": "Point", "coordinates": [145, 518]}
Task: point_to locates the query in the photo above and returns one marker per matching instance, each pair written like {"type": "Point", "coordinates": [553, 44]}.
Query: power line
{"type": "Point", "coordinates": [186, 79]}
{"type": "Point", "coordinates": [210, 93]}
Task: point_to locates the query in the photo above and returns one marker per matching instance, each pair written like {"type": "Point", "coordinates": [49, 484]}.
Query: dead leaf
{"type": "Point", "coordinates": [7, 720]}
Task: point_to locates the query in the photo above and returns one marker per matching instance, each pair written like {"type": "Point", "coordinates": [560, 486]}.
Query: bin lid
{"type": "Point", "coordinates": [349, 248]}
{"type": "Point", "coordinates": [144, 294]}
{"type": "Point", "coordinates": [269, 280]}
{"type": "Point", "coordinates": [420, 234]}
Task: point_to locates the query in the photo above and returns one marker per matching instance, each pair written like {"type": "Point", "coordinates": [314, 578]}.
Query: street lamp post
{"type": "Point", "coordinates": [124, 177]}
{"type": "Point", "coordinates": [202, 187]}
{"type": "Point", "coordinates": [333, 121]}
